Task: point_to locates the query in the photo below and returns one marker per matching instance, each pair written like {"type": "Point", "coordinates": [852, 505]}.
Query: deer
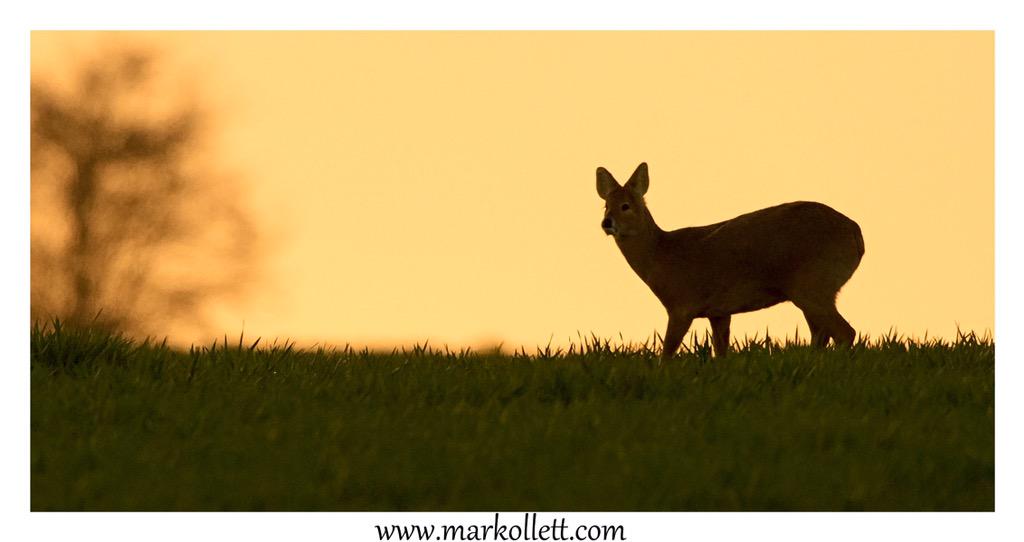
{"type": "Point", "coordinates": [802, 252]}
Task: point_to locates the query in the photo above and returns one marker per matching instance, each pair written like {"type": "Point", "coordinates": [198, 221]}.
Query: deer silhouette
{"type": "Point", "coordinates": [802, 252]}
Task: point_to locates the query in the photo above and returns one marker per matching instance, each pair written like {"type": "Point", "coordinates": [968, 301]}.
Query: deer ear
{"type": "Point", "coordinates": [605, 183]}
{"type": "Point", "coordinates": [638, 182]}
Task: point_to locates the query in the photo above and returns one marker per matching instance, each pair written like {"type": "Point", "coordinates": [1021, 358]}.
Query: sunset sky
{"type": "Point", "coordinates": [440, 185]}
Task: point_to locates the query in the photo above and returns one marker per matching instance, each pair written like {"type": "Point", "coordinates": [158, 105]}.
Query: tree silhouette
{"type": "Point", "coordinates": [128, 232]}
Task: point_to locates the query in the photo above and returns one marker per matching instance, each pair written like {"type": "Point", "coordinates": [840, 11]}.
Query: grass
{"type": "Point", "coordinates": [892, 424]}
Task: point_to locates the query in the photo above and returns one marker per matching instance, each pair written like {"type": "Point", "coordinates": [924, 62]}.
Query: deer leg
{"type": "Point", "coordinates": [678, 325]}
{"type": "Point", "coordinates": [818, 336]}
{"type": "Point", "coordinates": [830, 323]}
{"type": "Point", "coordinates": [720, 334]}
{"type": "Point", "coordinates": [844, 335]}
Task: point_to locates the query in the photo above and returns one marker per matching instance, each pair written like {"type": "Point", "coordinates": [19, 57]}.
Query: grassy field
{"type": "Point", "coordinates": [892, 425]}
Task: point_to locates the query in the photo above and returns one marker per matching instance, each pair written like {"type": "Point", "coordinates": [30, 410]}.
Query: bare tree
{"type": "Point", "coordinates": [127, 231]}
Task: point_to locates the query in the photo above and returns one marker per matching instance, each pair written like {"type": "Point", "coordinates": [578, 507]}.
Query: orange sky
{"type": "Point", "coordinates": [441, 185]}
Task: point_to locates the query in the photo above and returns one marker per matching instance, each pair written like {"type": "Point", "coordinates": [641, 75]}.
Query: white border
{"type": "Point", "coordinates": [523, 14]}
{"type": "Point", "coordinates": [532, 14]}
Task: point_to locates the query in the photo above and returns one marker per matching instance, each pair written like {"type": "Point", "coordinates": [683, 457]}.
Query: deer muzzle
{"type": "Point", "coordinates": [608, 226]}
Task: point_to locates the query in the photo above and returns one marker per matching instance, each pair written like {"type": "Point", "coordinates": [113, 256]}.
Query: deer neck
{"type": "Point", "coordinates": [641, 247]}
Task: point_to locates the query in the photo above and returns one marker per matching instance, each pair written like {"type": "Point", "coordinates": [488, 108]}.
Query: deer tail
{"type": "Point", "coordinates": [859, 239]}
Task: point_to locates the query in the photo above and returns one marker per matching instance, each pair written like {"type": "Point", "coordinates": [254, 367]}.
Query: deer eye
{"type": "Point", "coordinates": [625, 206]}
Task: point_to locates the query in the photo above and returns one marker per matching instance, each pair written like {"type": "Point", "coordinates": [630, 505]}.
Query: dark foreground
{"type": "Point", "coordinates": [892, 426]}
